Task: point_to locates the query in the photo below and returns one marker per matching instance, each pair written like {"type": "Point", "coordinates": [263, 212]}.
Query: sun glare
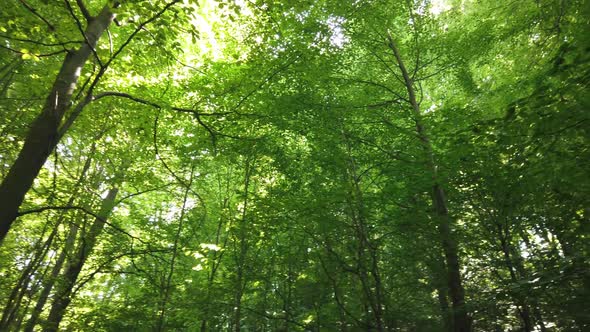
{"type": "Point", "coordinates": [438, 7]}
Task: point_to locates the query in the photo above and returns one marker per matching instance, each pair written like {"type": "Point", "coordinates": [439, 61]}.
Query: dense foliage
{"type": "Point", "coordinates": [266, 165]}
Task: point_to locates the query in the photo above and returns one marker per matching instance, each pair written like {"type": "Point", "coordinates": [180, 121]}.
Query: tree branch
{"type": "Point", "coordinates": [421, 78]}
{"type": "Point", "coordinates": [266, 80]}
{"type": "Point", "coordinates": [157, 151]}
{"type": "Point", "coordinates": [143, 192]}
{"type": "Point", "coordinates": [196, 114]}
{"type": "Point", "coordinates": [153, 104]}
{"type": "Point", "coordinates": [104, 264]}
{"type": "Point", "coordinates": [139, 28]}
{"type": "Point", "coordinates": [380, 85]}
{"type": "Point", "coordinates": [32, 54]}
{"type": "Point", "coordinates": [103, 68]}
{"type": "Point", "coordinates": [84, 10]}
{"type": "Point", "coordinates": [34, 11]}
{"type": "Point", "coordinates": [81, 29]}
{"type": "Point", "coordinates": [389, 68]}
{"type": "Point", "coordinates": [40, 42]}
{"type": "Point", "coordinates": [78, 208]}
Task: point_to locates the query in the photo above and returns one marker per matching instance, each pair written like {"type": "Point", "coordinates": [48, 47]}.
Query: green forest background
{"type": "Point", "coordinates": [268, 165]}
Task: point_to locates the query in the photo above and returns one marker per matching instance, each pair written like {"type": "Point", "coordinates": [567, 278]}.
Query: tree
{"type": "Point", "coordinates": [44, 133]}
{"type": "Point", "coordinates": [291, 166]}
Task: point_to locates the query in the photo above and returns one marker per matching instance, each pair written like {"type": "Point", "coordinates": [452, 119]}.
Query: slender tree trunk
{"type": "Point", "coordinates": [243, 249]}
{"type": "Point", "coordinates": [43, 134]}
{"type": "Point", "coordinates": [41, 252]}
{"type": "Point", "coordinates": [217, 256]}
{"type": "Point", "coordinates": [336, 294]}
{"type": "Point", "coordinates": [574, 245]}
{"type": "Point", "coordinates": [216, 262]}
{"type": "Point", "coordinates": [18, 291]}
{"type": "Point", "coordinates": [168, 281]}
{"type": "Point", "coordinates": [461, 320]}
{"type": "Point", "coordinates": [50, 282]}
{"type": "Point", "coordinates": [19, 320]}
{"type": "Point", "coordinates": [62, 297]}
{"type": "Point", "coordinates": [70, 240]}
{"type": "Point", "coordinates": [289, 292]}
{"type": "Point", "coordinates": [521, 269]}
{"type": "Point", "coordinates": [523, 308]}
{"type": "Point", "coordinates": [369, 272]}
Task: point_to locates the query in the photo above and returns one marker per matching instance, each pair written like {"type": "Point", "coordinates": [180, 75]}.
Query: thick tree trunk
{"type": "Point", "coordinates": [461, 320]}
{"type": "Point", "coordinates": [43, 134]}
{"type": "Point", "coordinates": [443, 303]}
{"type": "Point", "coordinates": [62, 297]}
{"type": "Point", "coordinates": [441, 288]}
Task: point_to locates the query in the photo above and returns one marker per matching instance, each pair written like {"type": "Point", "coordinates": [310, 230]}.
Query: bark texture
{"type": "Point", "coordinates": [43, 133]}
{"type": "Point", "coordinates": [460, 318]}
{"type": "Point", "coordinates": [62, 297]}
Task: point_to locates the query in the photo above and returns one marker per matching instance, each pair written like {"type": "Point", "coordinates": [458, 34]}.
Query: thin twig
{"type": "Point", "coordinates": [36, 42]}
{"type": "Point", "coordinates": [32, 54]}
{"type": "Point", "coordinates": [79, 208]}
{"type": "Point", "coordinates": [139, 28]}
{"type": "Point", "coordinates": [264, 82]}
{"type": "Point", "coordinates": [34, 11]}
{"type": "Point", "coordinates": [153, 104]}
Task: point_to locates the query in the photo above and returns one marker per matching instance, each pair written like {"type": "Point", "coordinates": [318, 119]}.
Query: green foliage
{"type": "Point", "coordinates": [274, 175]}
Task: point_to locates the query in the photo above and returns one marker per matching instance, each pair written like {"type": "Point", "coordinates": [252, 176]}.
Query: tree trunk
{"type": "Point", "coordinates": [50, 282]}
{"type": "Point", "coordinates": [243, 247]}
{"type": "Point", "coordinates": [43, 134]}
{"type": "Point", "coordinates": [22, 284]}
{"type": "Point", "coordinates": [523, 308]}
{"type": "Point", "coordinates": [62, 296]}
{"type": "Point", "coordinates": [461, 320]}
{"type": "Point", "coordinates": [211, 278]}
{"type": "Point", "coordinates": [9, 311]}
{"type": "Point", "coordinates": [168, 282]}
{"type": "Point", "coordinates": [442, 293]}
{"type": "Point", "coordinates": [372, 286]}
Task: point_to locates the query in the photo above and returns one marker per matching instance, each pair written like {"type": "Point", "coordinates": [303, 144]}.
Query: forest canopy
{"type": "Point", "coordinates": [268, 165]}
